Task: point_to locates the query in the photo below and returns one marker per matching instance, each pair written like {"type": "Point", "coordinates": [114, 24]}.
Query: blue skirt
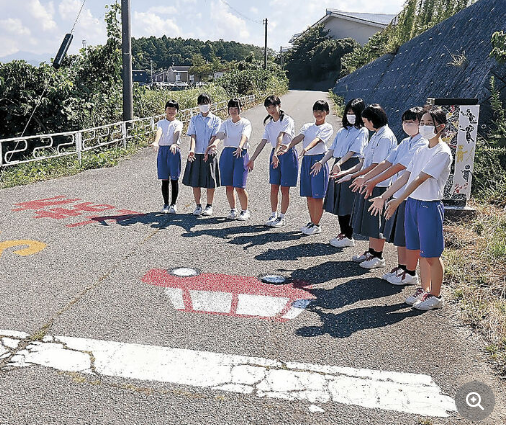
{"type": "Point", "coordinates": [168, 163]}
{"type": "Point", "coordinates": [313, 186]}
{"type": "Point", "coordinates": [233, 171]}
{"type": "Point", "coordinates": [287, 170]}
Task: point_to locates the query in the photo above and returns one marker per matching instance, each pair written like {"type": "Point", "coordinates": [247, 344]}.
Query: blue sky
{"type": "Point", "coordinates": [38, 26]}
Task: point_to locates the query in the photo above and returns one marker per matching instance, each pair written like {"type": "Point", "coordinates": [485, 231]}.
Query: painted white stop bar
{"type": "Point", "coordinates": [401, 392]}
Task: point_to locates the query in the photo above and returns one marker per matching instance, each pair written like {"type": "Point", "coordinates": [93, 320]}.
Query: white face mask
{"type": "Point", "coordinates": [427, 131]}
{"type": "Point", "coordinates": [204, 108]}
{"type": "Point", "coordinates": [410, 128]}
{"type": "Point", "coordinates": [351, 118]}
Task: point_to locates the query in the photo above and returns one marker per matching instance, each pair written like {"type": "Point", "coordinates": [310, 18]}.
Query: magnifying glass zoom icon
{"type": "Point", "coordinates": [474, 400]}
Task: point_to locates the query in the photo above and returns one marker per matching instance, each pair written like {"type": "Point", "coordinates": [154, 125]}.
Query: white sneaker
{"type": "Point", "coordinates": [341, 241]}
{"type": "Point", "coordinates": [392, 272]}
{"type": "Point", "coordinates": [307, 226]}
{"type": "Point", "coordinates": [208, 211]}
{"type": "Point", "coordinates": [417, 296]}
{"type": "Point", "coordinates": [233, 214]}
{"type": "Point", "coordinates": [165, 209]}
{"type": "Point", "coordinates": [313, 229]}
{"type": "Point", "coordinates": [271, 220]}
{"type": "Point", "coordinates": [359, 258]}
{"type": "Point", "coordinates": [198, 210]}
{"type": "Point", "coordinates": [373, 263]}
{"type": "Point", "coordinates": [279, 222]}
{"type": "Point", "coordinates": [428, 302]}
{"type": "Point", "coordinates": [173, 209]}
{"type": "Point", "coordinates": [402, 279]}
{"type": "Point", "coordinates": [245, 215]}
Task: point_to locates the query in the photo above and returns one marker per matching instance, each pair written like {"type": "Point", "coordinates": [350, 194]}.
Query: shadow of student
{"type": "Point", "coordinates": [345, 324]}
{"type": "Point", "coordinates": [156, 220]}
{"type": "Point", "coordinates": [327, 271]}
{"type": "Point", "coordinates": [294, 252]}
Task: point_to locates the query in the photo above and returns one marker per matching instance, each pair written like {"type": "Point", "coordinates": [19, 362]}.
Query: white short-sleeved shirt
{"type": "Point", "coordinates": [231, 132]}
{"type": "Point", "coordinates": [168, 130]}
{"type": "Point", "coordinates": [379, 147]}
{"type": "Point", "coordinates": [312, 131]}
{"type": "Point", "coordinates": [403, 154]}
{"type": "Point", "coordinates": [436, 162]}
{"type": "Point", "coordinates": [273, 128]}
{"type": "Point", "coordinates": [351, 139]}
{"type": "Point", "coordinates": [203, 128]}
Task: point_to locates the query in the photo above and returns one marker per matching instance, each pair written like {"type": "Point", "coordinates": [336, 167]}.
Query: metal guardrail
{"type": "Point", "coordinates": [21, 150]}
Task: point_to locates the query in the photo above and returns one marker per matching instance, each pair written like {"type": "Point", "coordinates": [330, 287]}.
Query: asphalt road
{"type": "Point", "coordinates": [91, 281]}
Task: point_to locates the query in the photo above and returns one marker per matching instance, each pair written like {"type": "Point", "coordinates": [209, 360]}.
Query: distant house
{"type": "Point", "coordinates": [176, 74]}
{"type": "Point", "coordinates": [359, 26]}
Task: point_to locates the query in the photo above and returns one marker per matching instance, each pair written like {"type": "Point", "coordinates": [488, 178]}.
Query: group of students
{"type": "Point", "coordinates": [379, 189]}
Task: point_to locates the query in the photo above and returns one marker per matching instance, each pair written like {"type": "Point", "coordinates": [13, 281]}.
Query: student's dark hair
{"type": "Point", "coordinates": [204, 98]}
{"type": "Point", "coordinates": [321, 105]}
{"type": "Point", "coordinates": [235, 103]}
{"type": "Point", "coordinates": [357, 106]}
{"type": "Point", "coordinates": [376, 114]}
{"type": "Point", "coordinates": [438, 115]}
{"type": "Point", "coordinates": [273, 100]}
{"type": "Point", "coordinates": [172, 104]}
{"type": "Point", "coordinates": [415, 113]}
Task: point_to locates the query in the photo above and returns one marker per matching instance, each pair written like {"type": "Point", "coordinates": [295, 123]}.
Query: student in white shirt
{"type": "Point", "coordinates": [313, 184]}
{"type": "Point", "coordinates": [202, 171]}
{"type": "Point", "coordinates": [283, 170]}
{"type": "Point", "coordinates": [393, 166]}
{"type": "Point", "coordinates": [347, 150]}
{"type": "Point", "coordinates": [235, 133]}
{"type": "Point", "coordinates": [168, 161]}
{"type": "Point", "coordinates": [425, 177]}
{"type": "Point", "coordinates": [379, 147]}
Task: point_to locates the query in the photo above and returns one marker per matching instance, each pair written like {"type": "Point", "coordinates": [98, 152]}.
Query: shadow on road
{"type": "Point", "coordinates": [346, 323]}
{"type": "Point", "coordinates": [294, 252]}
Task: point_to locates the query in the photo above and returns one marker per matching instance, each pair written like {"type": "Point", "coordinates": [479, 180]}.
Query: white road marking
{"type": "Point", "coordinates": [402, 392]}
{"type": "Point", "coordinates": [219, 302]}
{"type": "Point", "coordinates": [260, 305]}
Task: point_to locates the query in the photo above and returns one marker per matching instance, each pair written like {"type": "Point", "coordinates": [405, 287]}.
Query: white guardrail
{"type": "Point", "coordinates": [19, 150]}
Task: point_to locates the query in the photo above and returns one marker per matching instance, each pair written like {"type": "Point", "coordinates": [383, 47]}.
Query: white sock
{"type": "Point", "coordinates": [281, 215]}
{"type": "Point", "coordinates": [274, 214]}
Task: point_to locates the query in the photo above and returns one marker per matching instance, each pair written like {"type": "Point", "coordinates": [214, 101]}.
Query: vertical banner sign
{"type": "Point", "coordinates": [461, 133]}
{"type": "Point", "coordinates": [466, 146]}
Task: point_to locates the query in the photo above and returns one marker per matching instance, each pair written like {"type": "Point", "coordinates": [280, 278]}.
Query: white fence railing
{"type": "Point", "coordinates": [19, 150]}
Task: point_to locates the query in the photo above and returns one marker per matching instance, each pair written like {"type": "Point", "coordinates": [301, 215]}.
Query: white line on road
{"type": "Point", "coordinates": [402, 392]}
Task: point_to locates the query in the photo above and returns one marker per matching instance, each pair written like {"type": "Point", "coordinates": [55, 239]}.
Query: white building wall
{"type": "Point", "coordinates": [342, 28]}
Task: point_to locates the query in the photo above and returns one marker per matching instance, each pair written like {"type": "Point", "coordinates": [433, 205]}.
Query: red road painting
{"type": "Point", "coordinates": [230, 295]}
{"type": "Point", "coordinates": [53, 208]}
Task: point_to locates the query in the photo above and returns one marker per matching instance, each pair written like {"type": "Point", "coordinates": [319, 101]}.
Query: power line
{"type": "Point", "coordinates": [78, 15]}
{"type": "Point", "coordinates": [240, 14]}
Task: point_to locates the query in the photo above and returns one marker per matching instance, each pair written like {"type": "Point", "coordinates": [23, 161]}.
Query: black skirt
{"type": "Point", "coordinates": [339, 198]}
{"type": "Point", "coordinates": [363, 222]}
{"type": "Point", "coordinates": [200, 173]}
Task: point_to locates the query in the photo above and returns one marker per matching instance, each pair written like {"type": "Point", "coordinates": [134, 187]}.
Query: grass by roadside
{"type": "Point", "coordinates": [475, 261]}
{"type": "Point", "coordinates": [27, 173]}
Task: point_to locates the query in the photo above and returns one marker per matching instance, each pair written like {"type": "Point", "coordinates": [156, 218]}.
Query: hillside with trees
{"type": "Point", "coordinates": [316, 56]}
{"type": "Point", "coordinates": [165, 51]}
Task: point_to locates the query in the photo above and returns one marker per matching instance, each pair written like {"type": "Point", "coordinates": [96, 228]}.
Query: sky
{"type": "Point", "coordinates": [38, 26]}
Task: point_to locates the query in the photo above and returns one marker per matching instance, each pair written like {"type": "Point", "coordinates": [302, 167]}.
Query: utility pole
{"type": "Point", "coordinates": [281, 56]}
{"type": "Point", "coordinates": [126, 48]}
{"type": "Point", "coordinates": [151, 63]}
{"type": "Point", "coordinates": [265, 48]}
